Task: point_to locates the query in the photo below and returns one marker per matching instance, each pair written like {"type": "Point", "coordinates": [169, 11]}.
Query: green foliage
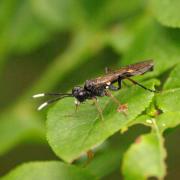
{"type": "Point", "coordinates": [168, 120]}
{"type": "Point", "coordinates": [167, 12]}
{"type": "Point", "coordinates": [145, 158]}
{"type": "Point", "coordinates": [83, 13]}
{"type": "Point", "coordinates": [169, 100]}
{"type": "Point", "coordinates": [25, 33]}
{"type": "Point", "coordinates": [155, 42]}
{"type": "Point", "coordinates": [104, 31]}
{"type": "Point", "coordinates": [48, 170]}
{"type": "Point", "coordinates": [173, 80]}
{"type": "Point", "coordinates": [16, 128]}
{"type": "Point", "coordinates": [110, 156]}
{"type": "Point", "coordinates": [71, 133]}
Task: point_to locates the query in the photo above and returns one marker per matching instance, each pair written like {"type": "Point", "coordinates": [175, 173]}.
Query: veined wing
{"type": "Point", "coordinates": [127, 71]}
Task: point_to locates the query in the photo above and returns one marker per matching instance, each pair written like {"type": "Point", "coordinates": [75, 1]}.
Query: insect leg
{"type": "Point", "coordinates": [98, 107]}
{"type": "Point", "coordinates": [112, 97]}
{"type": "Point", "coordinates": [121, 107]}
{"type": "Point", "coordinates": [135, 82]}
{"type": "Point", "coordinates": [114, 88]}
{"type": "Point", "coordinates": [119, 83]}
{"type": "Point", "coordinates": [90, 156]}
{"type": "Point", "coordinates": [77, 103]}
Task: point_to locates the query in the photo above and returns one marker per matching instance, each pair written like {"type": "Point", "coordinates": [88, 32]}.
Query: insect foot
{"type": "Point", "coordinates": [122, 108]}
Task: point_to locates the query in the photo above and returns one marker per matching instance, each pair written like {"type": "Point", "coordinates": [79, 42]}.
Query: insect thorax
{"type": "Point", "coordinates": [94, 89]}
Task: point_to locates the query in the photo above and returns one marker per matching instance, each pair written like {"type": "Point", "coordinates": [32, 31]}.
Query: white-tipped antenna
{"type": "Point", "coordinates": [42, 106]}
{"type": "Point", "coordinates": [61, 96]}
{"type": "Point", "coordinates": [51, 100]}
{"type": "Point", "coordinates": [38, 95]}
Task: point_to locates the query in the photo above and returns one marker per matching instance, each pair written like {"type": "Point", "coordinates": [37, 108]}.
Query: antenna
{"type": "Point", "coordinates": [43, 105]}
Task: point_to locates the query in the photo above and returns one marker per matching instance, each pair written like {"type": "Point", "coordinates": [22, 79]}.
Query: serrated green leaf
{"type": "Point", "coordinates": [164, 121]}
{"type": "Point", "coordinates": [173, 79]}
{"type": "Point", "coordinates": [70, 134]}
{"type": "Point", "coordinates": [142, 119]}
{"type": "Point", "coordinates": [145, 158]}
{"type": "Point", "coordinates": [167, 12]}
{"type": "Point", "coordinates": [52, 170]}
{"type": "Point", "coordinates": [169, 100]}
{"type": "Point", "coordinates": [168, 120]}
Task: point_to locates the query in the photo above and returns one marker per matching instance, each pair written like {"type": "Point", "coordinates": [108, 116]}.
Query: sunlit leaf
{"type": "Point", "coordinates": [72, 133]}
{"type": "Point", "coordinates": [164, 121]}
{"type": "Point", "coordinates": [173, 79]}
{"type": "Point", "coordinates": [168, 120]}
{"type": "Point", "coordinates": [169, 100]}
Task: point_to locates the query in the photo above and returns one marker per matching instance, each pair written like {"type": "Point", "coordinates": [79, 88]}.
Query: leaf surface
{"type": "Point", "coordinates": [145, 158]}
{"type": "Point", "coordinates": [48, 170]}
{"type": "Point", "coordinates": [72, 133]}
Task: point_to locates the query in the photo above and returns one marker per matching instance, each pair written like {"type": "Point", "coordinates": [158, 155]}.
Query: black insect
{"type": "Point", "coordinates": [100, 86]}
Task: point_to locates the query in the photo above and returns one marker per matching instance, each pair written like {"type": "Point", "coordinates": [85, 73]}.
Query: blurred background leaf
{"type": "Point", "coordinates": [167, 12]}
{"type": "Point", "coordinates": [55, 45]}
{"type": "Point", "coordinates": [84, 14]}
{"type": "Point", "coordinates": [49, 170]}
{"type": "Point", "coordinates": [21, 31]}
{"type": "Point", "coordinates": [155, 42]}
{"type": "Point", "coordinates": [146, 156]}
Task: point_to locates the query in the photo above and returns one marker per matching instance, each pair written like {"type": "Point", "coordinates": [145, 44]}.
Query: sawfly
{"type": "Point", "coordinates": [101, 86]}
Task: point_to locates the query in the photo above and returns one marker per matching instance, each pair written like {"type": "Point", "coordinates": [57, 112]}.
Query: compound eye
{"type": "Point", "coordinates": [76, 90]}
{"type": "Point", "coordinates": [81, 93]}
